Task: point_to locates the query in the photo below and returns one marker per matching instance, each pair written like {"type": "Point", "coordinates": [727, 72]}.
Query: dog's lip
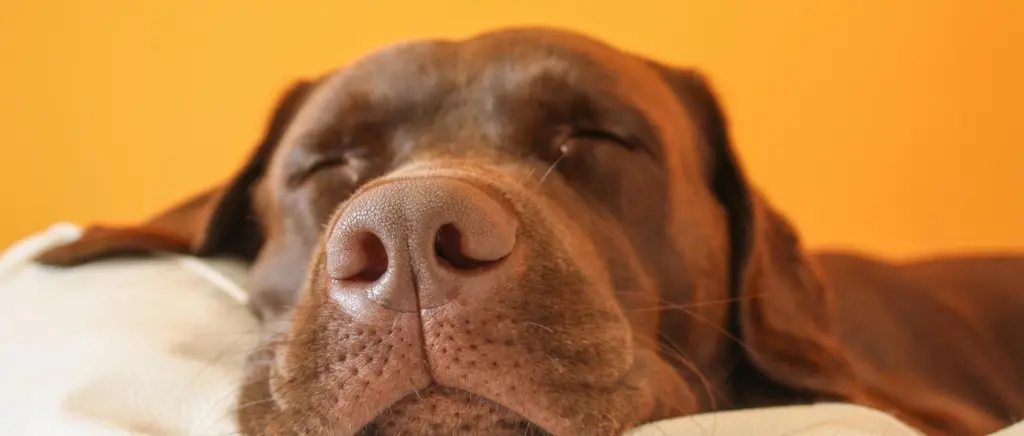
{"type": "Point", "coordinates": [630, 379]}
{"type": "Point", "coordinates": [536, 423]}
{"type": "Point", "coordinates": [531, 427]}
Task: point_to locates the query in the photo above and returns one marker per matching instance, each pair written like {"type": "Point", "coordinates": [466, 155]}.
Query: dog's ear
{"type": "Point", "coordinates": [215, 222]}
{"type": "Point", "coordinates": [784, 308]}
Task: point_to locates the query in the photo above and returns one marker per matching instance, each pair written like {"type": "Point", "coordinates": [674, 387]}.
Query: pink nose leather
{"type": "Point", "coordinates": [416, 244]}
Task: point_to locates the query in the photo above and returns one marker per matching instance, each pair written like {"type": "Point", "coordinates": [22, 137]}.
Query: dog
{"type": "Point", "coordinates": [531, 231]}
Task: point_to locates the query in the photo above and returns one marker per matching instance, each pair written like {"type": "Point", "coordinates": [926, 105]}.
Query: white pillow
{"type": "Point", "coordinates": [156, 347]}
{"type": "Point", "coordinates": [121, 347]}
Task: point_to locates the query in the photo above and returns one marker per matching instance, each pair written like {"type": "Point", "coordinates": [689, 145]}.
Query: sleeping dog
{"type": "Point", "coordinates": [533, 232]}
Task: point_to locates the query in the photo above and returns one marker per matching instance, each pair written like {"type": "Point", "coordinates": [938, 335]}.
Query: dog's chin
{"type": "Point", "coordinates": [650, 390]}
{"type": "Point", "coordinates": [443, 411]}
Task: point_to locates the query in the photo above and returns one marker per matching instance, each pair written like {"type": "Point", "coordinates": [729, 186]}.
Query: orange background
{"type": "Point", "coordinates": [892, 126]}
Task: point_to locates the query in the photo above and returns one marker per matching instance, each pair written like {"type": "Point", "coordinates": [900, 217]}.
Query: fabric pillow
{"type": "Point", "coordinates": [143, 347]}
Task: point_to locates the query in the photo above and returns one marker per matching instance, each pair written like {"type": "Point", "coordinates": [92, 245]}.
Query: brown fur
{"type": "Point", "coordinates": [652, 280]}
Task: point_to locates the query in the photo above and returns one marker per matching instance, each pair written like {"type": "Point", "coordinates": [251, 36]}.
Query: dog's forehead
{"type": "Point", "coordinates": [507, 61]}
{"type": "Point", "coordinates": [406, 71]}
{"type": "Point", "coordinates": [465, 78]}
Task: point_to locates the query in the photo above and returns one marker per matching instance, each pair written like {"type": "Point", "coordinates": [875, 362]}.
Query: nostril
{"type": "Point", "coordinates": [448, 246]}
{"type": "Point", "coordinates": [374, 257]}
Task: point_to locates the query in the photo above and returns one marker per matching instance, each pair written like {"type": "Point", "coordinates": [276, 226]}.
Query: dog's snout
{"type": "Point", "coordinates": [414, 244]}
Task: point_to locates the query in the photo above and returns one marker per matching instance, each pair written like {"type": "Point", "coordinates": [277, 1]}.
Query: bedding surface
{"type": "Point", "coordinates": [156, 346]}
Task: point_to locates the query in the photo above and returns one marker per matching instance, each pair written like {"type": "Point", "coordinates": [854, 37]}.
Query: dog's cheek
{"type": "Point", "coordinates": [620, 248]}
{"type": "Point", "coordinates": [581, 301]}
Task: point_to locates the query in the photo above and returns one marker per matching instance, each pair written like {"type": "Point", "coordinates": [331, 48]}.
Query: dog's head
{"type": "Point", "coordinates": [524, 230]}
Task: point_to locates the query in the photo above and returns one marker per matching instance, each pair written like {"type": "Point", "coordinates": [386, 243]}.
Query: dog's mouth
{"type": "Point", "coordinates": [439, 410]}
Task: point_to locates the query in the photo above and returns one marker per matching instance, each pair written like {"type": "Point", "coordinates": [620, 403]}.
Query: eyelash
{"type": "Point", "coordinates": [601, 135]}
{"type": "Point", "coordinates": [301, 177]}
{"type": "Point", "coordinates": [568, 134]}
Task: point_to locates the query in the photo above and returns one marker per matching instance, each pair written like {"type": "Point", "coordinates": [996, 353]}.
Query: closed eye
{"type": "Point", "coordinates": [593, 134]}
{"type": "Point", "coordinates": [301, 176]}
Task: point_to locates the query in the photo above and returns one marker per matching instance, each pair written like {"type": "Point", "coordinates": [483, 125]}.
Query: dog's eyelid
{"type": "Point", "coordinates": [316, 152]}
{"type": "Point", "coordinates": [313, 165]}
{"type": "Point", "coordinates": [630, 142]}
{"type": "Point", "coordinates": [597, 133]}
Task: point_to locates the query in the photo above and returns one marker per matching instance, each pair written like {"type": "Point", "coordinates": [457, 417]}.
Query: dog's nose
{"type": "Point", "coordinates": [415, 244]}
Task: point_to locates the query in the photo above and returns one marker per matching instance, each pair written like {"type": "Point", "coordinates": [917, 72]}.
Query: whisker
{"type": "Point", "coordinates": [253, 403]}
{"type": "Point", "coordinates": [718, 329]}
{"type": "Point", "coordinates": [261, 362]}
{"type": "Point", "coordinates": [549, 329]}
{"type": "Point", "coordinates": [689, 363]}
{"type": "Point", "coordinates": [671, 350]}
{"type": "Point", "coordinates": [529, 175]}
{"type": "Point", "coordinates": [693, 305]}
{"type": "Point", "coordinates": [565, 152]}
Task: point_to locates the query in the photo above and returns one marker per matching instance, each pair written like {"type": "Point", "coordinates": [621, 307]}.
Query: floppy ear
{"type": "Point", "coordinates": [784, 305]}
{"type": "Point", "coordinates": [215, 222]}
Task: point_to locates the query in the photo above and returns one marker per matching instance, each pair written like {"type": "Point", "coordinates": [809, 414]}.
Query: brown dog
{"type": "Point", "coordinates": [530, 231]}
